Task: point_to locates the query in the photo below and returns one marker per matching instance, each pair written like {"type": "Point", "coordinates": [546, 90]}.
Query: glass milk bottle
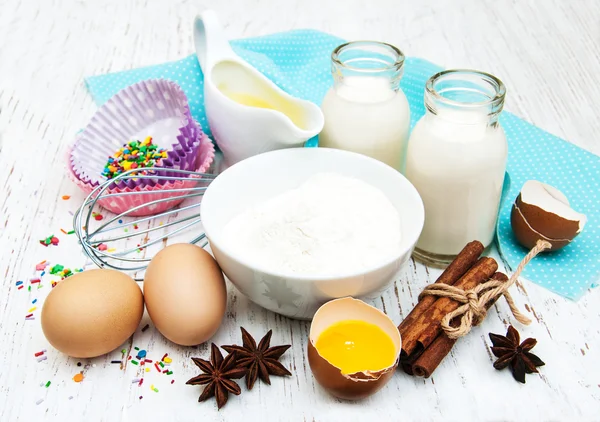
{"type": "Point", "coordinates": [365, 110]}
{"type": "Point", "coordinates": [456, 159]}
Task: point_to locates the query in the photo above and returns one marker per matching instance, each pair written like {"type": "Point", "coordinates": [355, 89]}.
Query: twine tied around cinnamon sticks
{"type": "Point", "coordinates": [474, 300]}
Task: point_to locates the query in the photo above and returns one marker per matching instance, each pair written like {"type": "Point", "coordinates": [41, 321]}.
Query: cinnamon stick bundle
{"type": "Point", "coordinates": [464, 260]}
{"type": "Point", "coordinates": [422, 326]}
{"type": "Point", "coordinates": [431, 357]}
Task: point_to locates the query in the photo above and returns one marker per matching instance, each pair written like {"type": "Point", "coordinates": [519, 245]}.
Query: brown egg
{"type": "Point", "coordinates": [185, 294]}
{"type": "Point", "coordinates": [92, 313]}
{"type": "Point", "coordinates": [361, 384]}
{"type": "Point", "coordinates": [543, 212]}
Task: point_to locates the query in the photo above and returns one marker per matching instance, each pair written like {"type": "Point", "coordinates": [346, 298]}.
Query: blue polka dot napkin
{"type": "Point", "coordinates": [299, 62]}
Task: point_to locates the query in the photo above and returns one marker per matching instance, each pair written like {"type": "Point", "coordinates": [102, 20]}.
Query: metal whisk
{"type": "Point", "coordinates": [128, 240]}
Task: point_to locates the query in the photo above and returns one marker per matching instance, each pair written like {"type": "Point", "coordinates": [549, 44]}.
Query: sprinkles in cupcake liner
{"type": "Point", "coordinates": [133, 155]}
{"type": "Point", "coordinates": [156, 109]}
{"type": "Point", "coordinates": [119, 204]}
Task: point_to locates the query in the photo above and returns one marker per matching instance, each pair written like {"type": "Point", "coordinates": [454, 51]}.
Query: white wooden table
{"type": "Point", "coordinates": [547, 53]}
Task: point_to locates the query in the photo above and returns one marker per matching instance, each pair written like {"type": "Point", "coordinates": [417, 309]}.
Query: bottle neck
{"type": "Point", "coordinates": [465, 97]}
{"type": "Point", "coordinates": [367, 65]}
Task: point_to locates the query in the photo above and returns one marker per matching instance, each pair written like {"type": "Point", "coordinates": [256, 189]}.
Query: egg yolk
{"type": "Point", "coordinates": [355, 346]}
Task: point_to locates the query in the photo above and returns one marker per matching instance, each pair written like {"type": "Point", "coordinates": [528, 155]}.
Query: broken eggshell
{"type": "Point", "coordinates": [542, 212]}
{"type": "Point", "coordinates": [361, 384]}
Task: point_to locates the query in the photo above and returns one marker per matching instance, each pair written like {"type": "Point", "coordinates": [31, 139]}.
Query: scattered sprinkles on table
{"type": "Point", "coordinates": [29, 316]}
{"type": "Point", "coordinates": [41, 266]}
{"type": "Point", "coordinates": [143, 365]}
{"type": "Point", "coordinates": [63, 272]}
{"type": "Point", "coordinates": [46, 268]}
{"type": "Point", "coordinates": [50, 240]}
{"type": "Point", "coordinates": [35, 283]}
{"type": "Point", "coordinates": [40, 356]}
{"type": "Point", "coordinates": [134, 155]}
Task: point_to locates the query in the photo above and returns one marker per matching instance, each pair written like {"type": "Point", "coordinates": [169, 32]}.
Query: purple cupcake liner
{"type": "Point", "coordinates": [183, 156]}
{"type": "Point", "coordinates": [124, 203]}
{"type": "Point", "coordinates": [156, 108]}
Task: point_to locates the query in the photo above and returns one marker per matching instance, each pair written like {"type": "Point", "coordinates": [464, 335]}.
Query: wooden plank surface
{"type": "Point", "coordinates": [547, 53]}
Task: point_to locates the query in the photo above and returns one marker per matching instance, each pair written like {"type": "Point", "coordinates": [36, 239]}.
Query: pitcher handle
{"type": "Point", "coordinates": [210, 41]}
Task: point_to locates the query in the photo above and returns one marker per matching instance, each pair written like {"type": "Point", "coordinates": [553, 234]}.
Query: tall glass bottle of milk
{"type": "Point", "coordinates": [456, 159]}
{"type": "Point", "coordinates": [365, 110]}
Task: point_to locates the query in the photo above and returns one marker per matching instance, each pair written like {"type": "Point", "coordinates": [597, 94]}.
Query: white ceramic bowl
{"type": "Point", "coordinates": [264, 176]}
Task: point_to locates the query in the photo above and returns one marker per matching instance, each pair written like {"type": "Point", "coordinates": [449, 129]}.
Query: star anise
{"type": "Point", "coordinates": [217, 376]}
{"type": "Point", "coordinates": [509, 351]}
{"type": "Point", "coordinates": [260, 361]}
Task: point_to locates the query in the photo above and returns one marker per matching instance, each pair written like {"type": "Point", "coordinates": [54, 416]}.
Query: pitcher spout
{"type": "Point", "coordinates": [313, 121]}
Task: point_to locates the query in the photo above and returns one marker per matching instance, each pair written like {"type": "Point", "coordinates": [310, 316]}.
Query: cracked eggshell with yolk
{"type": "Point", "coordinates": [361, 384]}
{"type": "Point", "coordinates": [543, 212]}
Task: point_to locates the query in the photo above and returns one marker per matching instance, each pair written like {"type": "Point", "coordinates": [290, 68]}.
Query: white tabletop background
{"type": "Point", "coordinates": [546, 51]}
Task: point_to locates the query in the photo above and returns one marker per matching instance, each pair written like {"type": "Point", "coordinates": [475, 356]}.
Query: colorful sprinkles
{"type": "Point", "coordinates": [141, 361]}
{"type": "Point", "coordinates": [134, 155]}
{"type": "Point", "coordinates": [36, 282]}
{"type": "Point", "coordinates": [63, 272]}
{"type": "Point", "coordinates": [40, 355]}
{"type": "Point", "coordinates": [41, 266]}
{"type": "Point", "coordinates": [50, 273]}
{"type": "Point", "coordinates": [50, 240]}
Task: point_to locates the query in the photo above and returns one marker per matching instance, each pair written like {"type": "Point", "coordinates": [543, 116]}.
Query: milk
{"type": "Point", "coordinates": [456, 160]}
{"type": "Point", "coordinates": [365, 115]}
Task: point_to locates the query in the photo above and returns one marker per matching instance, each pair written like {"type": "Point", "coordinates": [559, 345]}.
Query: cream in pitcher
{"type": "Point", "coordinates": [247, 113]}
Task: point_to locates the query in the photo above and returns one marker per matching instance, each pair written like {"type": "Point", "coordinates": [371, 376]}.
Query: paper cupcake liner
{"type": "Point", "coordinates": [120, 204]}
{"type": "Point", "coordinates": [156, 108]}
{"type": "Point", "coordinates": [180, 158]}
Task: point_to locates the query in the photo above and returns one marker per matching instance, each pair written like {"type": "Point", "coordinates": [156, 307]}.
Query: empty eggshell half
{"type": "Point", "coordinates": [361, 384]}
{"type": "Point", "coordinates": [543, 212]}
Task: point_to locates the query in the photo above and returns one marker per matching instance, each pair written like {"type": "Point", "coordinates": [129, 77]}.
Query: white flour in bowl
{"type": "Point", "coordinates": [331, 224]}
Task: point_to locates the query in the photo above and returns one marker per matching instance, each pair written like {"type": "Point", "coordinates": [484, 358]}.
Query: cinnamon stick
{"type": "Point", "coordinates": [430, 359]}
{"type": "Point", "coordinates": [428, 326]}
{"type": "Point", "coordinates": [461, 264]}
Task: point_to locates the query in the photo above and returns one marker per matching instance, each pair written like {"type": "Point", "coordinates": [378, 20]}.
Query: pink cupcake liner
{"type": "Point", "coordinates": [121, 204]}
{"type": "Point", "coordinates": [156, 108]}
{"type": "Point", "coordinates": [180, 158]}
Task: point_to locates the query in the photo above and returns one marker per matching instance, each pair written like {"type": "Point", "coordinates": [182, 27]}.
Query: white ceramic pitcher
{"type": "Point", "coordinates": [247, 113]}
